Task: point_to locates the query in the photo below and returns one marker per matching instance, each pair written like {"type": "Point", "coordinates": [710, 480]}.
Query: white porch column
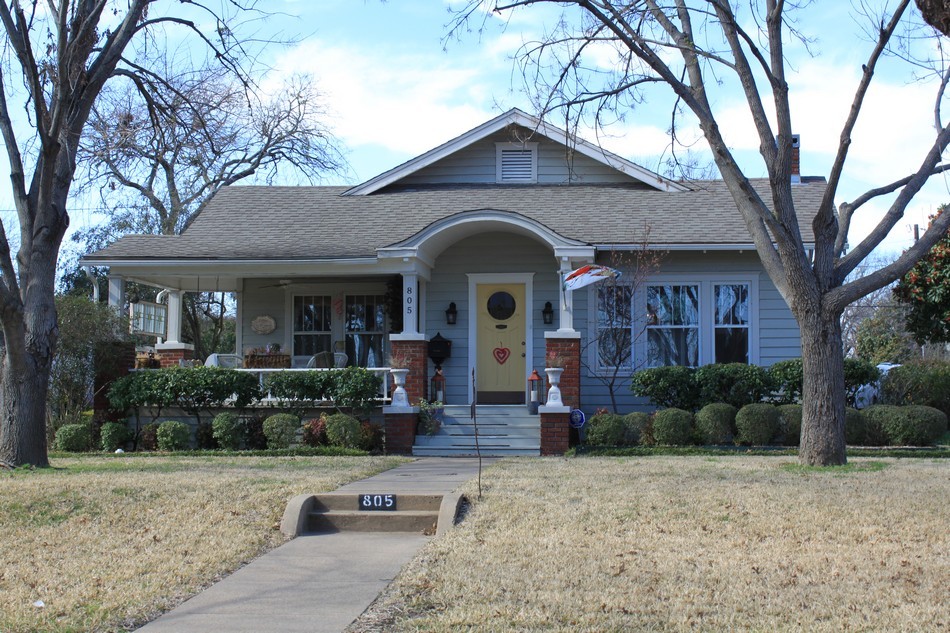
{"type": "Point", "coordinates": [566, 315]}
{"type": "Point", "coordinates": [117, 292]}
{"type": "Point", "coordinates": [173, 330]}
{"type": "Point", "coordinates": [410, 303]}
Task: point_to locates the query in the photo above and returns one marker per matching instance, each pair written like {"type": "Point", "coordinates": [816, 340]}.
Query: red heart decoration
{"type": "Point", "coordinates": [501, 354]}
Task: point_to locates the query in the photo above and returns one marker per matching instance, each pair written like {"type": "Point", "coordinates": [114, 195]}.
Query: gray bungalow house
{"type": "Point", "coordinates": [470, 241]}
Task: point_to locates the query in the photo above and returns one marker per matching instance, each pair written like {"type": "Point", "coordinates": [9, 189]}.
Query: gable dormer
{"type": "Point", "coordinates": [516, 149]}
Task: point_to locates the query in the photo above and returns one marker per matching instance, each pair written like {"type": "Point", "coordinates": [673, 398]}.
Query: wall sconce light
{"type": "Point", "coordinates": [547, 313]}
{"type": "Point", "coordinates": [451, 314]}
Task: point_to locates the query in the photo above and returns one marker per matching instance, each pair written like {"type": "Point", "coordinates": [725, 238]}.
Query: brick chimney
{"type": "Point", "coordinates": [796, 165]}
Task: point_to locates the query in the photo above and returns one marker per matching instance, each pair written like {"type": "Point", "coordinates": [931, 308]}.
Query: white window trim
{"type": "Point", "coordinates": [707, 316]}
{"type": "Point", "coordinates": [501, 147]}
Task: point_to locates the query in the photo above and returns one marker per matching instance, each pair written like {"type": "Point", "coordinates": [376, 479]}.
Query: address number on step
{"type": "Point", "coordinates": [375, 502]}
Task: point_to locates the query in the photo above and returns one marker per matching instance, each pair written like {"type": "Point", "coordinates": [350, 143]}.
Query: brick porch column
{"type": "Point", "coordinates": [568, 346]}
{"type": "Point", "coordinates": [169, 354]}
{"type": "Point", "coordinates": [400, 423]}
{"type": "Point", "coordinates": [555, 430]}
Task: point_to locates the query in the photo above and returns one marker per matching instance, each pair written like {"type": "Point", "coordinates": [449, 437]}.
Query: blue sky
{"type": "Point", "coordinates": [394, 88]}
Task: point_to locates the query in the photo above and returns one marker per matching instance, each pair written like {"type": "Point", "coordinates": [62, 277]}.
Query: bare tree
{"type": "Point", "coordinates": [695, 49]}
{"type": "Point", "coordinates": [160, 150]}
{"type": "Point", "coordinates": [59, 55]}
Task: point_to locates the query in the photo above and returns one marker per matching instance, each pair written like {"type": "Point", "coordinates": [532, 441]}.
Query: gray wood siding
{"type": "Point", "coordinates": [476, 164]}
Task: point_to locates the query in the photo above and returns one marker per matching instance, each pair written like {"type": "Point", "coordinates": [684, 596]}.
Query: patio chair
{"type": "Point", "coordinates": [230, 361]}
{"type": "Point", "coordinates": [321, 360]}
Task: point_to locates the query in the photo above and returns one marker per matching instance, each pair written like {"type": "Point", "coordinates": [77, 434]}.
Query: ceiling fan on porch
{"type": "Point", "coordinates": [283, 283]}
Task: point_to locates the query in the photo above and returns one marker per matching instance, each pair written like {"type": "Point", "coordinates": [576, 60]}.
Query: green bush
{"type": "Point", "coordinates": [878, 418]}
{"type": "Point", "coordinates": [228, 431]}
{"type": "Point", "coordinates": [672, 386]}
{"type": "Point", "coordinates": [148, 437]}
{"type": "Point", "coordinates": [605, 429]}
{"type": "Point", "coordinates": [922, 382]}
{"type": "Point", "coordinates": [315, 431]}
{"type": "Point", "coordinates": [194, 389]}
{"type": "Point", "coordinates": [300, 389]}
{"type": "Point", "coordinates": [673, 427]}
{"type": "Point", "coordinates": [173, 435]}
{"type": "Point", "coordinates": [786, 377]}
{"type": "Point", "coordinates": [714, 423]}
{"type": "Point", "coordinates": [790, 424]}
{"type": "Point", "coordinates": [915, 425]}
{"type": "Point", "coordinates": [756, 424]}
{"type": "Point", "coordinates": [74, 438]}
{"type": "Point", "coordinates": [637, 429]}
{"type": "Point", "coordinates": [356, 388]}
{"type": "Point", "coordinates": [371, 437]}
{"type": "Point", "coordinates": [737, 384]}
{"type": "Point", "coordinates": [858, 372]}
{"type": "Point", "coordinates": [113, 435]}
{"type": "Point", "coordinates": [855, 427]}
{"type": "Point", "coordinates": [343, 430]}
{"type": "Point", "coordinates": [280, 430]}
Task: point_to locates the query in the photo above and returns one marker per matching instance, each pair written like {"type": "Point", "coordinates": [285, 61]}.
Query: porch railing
{"type": "Point", "coordinates": [382, 372]}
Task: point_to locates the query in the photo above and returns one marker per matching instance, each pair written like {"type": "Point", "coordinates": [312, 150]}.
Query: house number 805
{"type": "Point", "coordinates": [378, 502]}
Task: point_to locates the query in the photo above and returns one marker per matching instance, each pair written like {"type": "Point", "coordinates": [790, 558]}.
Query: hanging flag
{"type": "Point", "coordinates": [589, 274]}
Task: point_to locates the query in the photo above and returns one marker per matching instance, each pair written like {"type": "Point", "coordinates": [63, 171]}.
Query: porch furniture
{"type": "Point", "coordinates": [229, 361]}
{"type": "Point", "coordinates": [267, 361]}
{"type": "Point", "coordinates": [327, 360]}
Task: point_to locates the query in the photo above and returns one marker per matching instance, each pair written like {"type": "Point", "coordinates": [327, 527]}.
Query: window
{"type": "Point", "coordinates": [365, 324]}
{"type": "Point", "coordinates": [516, 162]}
{"type": "Point", "coordinates": [614, 323]}
{"type": "Point", "coordinates": [311, 325]}
{"type": "Point", "coordinates": [732, 323]}
{"type": "Point", "coordinates": [673, 325]}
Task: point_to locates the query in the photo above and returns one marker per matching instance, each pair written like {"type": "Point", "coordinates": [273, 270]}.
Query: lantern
{"type": "Point", "coordinates": [437, 387]}
{"type": "Point", "coordinates": [536, 388]}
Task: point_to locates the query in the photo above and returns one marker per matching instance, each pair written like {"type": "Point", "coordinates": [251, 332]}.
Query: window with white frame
{"type": "Point", "coordinates": [673, 325]}
{"type": "Point", "coordinates": [312, 324]}
{"type": "Point", "coordinates": [732, 323]}
{"type": "Point", "coordinates": [614, 326]}
{"type": "Point", "coordinates": [365, 322]}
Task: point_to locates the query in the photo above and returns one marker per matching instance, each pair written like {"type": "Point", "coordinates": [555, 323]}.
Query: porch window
{"type": "Point", "coordinates": [673, 325]}
{"type": "Point", "coordinates": [732, 323]}
{"type": "Point", "coordinates": [312, 316]}
{"type": "Point", "coordinates": [614, 322]}
{"type": "Point", "coordinates": [365, 326]}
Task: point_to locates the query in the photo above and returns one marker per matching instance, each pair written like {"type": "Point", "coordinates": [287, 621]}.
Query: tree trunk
{"type": "Point", "coordinates": [23, 415]}
{"type": "Point", "coordinates": [823, 395]}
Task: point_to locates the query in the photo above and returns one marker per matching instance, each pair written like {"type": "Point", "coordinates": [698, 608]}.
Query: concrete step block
{"type": "Point", "coordinates": [417, 521]}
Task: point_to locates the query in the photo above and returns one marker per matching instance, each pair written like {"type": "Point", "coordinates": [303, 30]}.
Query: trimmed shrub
{"type": "Point", "coordinates": [922, 382]}
{"type": "Point", "coordinates": [737, 384]}
{"type": "Point", "coordinates": [915, 425]}
{"type": "Point", "coordinates": [637, 429]}
{"type": "Point", "coordinates": [343, 430]}
{"type": "Point", "coordinates": [173, 435]}
{"type": "Point", "coordinates": [74, 438]}
{"type": "Point", "coordinates": [228, 431]}
{"type": "Point", "coordinates": [605, 429]}
{"type": "Point", "coordinates": [790, 424]}
{"type": "Point", "coordinates": [877, 419]}
{"type": "Point", "coordinates": [113, 435]}
{"type": "Point", "coordinates": [855, 427]}
{"type": "Point", "coordinates": [371, 437]}
{"type": "Point", "coordinates": [756, 424]}
{"type": "Point", "coordinates": [148, 437]}
{"type": "Point", "coordinates": [714, 423]}
{"type": "Point", "coordinates": [786, 377]}
{"type": "Point", "coordinates": [673, 427]}
{"type": "Point", "coordinates": [280, 430]}
{"type": "Point", "coordinates": [315, 431]}
{"type": "Point", "coordinates": [672, 386]}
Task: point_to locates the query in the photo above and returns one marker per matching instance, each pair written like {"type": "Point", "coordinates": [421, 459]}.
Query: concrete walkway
{"type": "Point", "coordinates": [322, 582]}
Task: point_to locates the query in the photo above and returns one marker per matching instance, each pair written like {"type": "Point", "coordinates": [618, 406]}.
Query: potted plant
{"type": "Point", "coordinates": [554, 367]}
{"type": "Point", "coordinates": [431, 415]}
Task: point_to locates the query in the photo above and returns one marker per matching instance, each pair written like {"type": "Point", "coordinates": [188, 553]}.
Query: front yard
{"type": "Point", "coordinates": [686, 544]}
{"type": "Point", "coordinates": [105, 543]}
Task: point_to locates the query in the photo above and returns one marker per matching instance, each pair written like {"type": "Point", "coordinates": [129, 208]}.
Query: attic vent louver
{"type": "Point", "coordinates": [517, 163]}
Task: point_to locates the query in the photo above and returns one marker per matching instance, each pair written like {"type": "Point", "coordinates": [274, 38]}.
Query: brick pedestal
{"type": "Point", "coordinates": [555, 430]}
{"type": "Point", "coordinates": [171, 354]}
{"type": "Point", "coordinates": [567, 346]}
{"type": "Point", "coordinates": [414, 352]}
{"type": "Point", "coordinates": [400, 429]}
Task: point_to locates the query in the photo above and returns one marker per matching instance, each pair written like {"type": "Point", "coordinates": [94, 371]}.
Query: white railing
{"type": "Point", "coordinates": [382, 372]}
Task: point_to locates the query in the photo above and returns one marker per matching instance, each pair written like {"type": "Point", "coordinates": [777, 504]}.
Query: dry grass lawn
{"type": "Point", "coordinates": [108, 543]}
{"type": "Point", "coordinates": [687, 544]}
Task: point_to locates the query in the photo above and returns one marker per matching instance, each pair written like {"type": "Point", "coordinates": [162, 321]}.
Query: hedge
{"type": "Point", "coordinates": [757, 424]}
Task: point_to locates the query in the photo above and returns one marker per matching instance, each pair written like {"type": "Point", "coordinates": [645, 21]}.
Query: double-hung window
{"type": "Point", "coordinates": [312, 326]}
{"type": "Point", "coordinates": [365, 319]}
{"type": "Point", "coordinates": [614, 334]}
{"type": "Point", "coordinates": [673, 325]}
{"type": "Point", "coordinates": [732, 323]}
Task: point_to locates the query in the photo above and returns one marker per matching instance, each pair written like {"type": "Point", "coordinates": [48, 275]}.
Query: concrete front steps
{"type": "Point", "coordinates": [503, 430]}
{"type": "Point", "coordinates": [340, 512]}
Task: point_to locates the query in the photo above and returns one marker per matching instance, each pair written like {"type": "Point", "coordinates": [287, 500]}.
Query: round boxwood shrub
{"type": "Point", "coordinates": [280, 430]}
{"type": "Point", "coordinates": [756, 424]}
{"type": "Point", "coordinates": [714, 423]}
{"type": "Point", "coordinates": [113, 435]}
{"type": "Point", "coordinates": [790, 424]}
{"type": "Point", "coordinates": [173, 435]}
{"type": "Point", "coordinates": [315, 431]}
{"type": "Point", "coordinates": [855, 427]}
{"type": "Point", "coordinates": [343, 430]}
{"type": "Point", "coordinates": [932, 419]}
{"type": "Point", "coordinates": [74, 438]}
{"type": "Point", "coordinates": [914, 425]}
{"type": "Point", "coordinates": [673, 427]}
{"type": "Point", "coordinates": [605, 429]}
{"type": "Point", "coordinates": [228, 431]}
{"type": "Point", "coordinates": [637, 429]}
{"type": "Point", "coordinates": [877, 419]}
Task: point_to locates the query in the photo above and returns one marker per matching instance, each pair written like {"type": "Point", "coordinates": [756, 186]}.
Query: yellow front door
{"type": "Point", "coordinates": [501, 332]}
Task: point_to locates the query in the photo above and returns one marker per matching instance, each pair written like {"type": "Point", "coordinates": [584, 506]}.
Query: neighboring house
{"type": "Point", "coordinates": [485, 224]}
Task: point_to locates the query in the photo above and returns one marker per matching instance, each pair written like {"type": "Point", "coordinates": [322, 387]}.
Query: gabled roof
{"type": "Point", "coordinates": [515, 117]}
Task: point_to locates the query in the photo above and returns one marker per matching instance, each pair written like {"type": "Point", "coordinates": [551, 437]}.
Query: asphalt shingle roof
{"type": "Point", "coordinates": [264, 222]}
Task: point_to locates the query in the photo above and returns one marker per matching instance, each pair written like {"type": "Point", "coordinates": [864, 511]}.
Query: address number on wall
{"type": "Point", "coordinates": [378, 502]}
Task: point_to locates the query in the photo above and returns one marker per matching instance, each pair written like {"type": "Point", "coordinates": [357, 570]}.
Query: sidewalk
{"type": "Point", "coordinates": [322, 582]}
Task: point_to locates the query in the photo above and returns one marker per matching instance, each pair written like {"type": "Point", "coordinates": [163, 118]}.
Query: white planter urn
{"type": "Point", "coordinates": [554, 392]}
{"type": "Point", "coordinates": [400, 397]}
